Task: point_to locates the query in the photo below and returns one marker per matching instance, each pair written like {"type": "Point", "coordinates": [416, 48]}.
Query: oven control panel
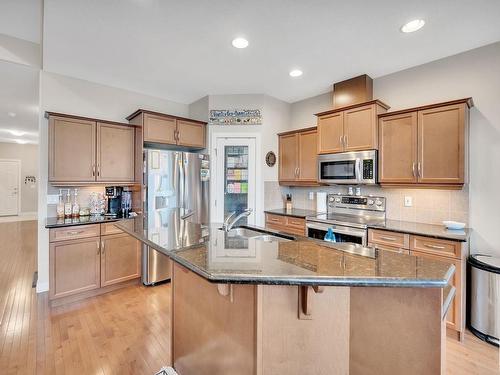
{"type": "Point", "coordinates": [356, 202]}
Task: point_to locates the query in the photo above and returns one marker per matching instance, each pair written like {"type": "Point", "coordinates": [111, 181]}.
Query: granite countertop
{"type": "Point", "coordinates": [54, 222]}
{"type": "Point", "coordinates": [428, 230]}
{"type": "Point", "coordinates": [226, 258]}
{"type": "Point", "coordinates": [294, 212]}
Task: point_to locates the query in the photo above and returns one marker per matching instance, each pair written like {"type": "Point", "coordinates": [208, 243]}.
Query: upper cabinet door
{"type": "Point", "coordinates": [308, 160]}
{"type": "Point", "coordinates": [288, 150]}
{"type": "Point", "coordinates": [330, 133]}
{"type": "Point", "coordinates": [160, 129]}
{"type": "Point", "coordinates": [360, 128]}
{"type": "Point", "coordinates": [441, 144]}
{"type": "Point", "coordinates": [72, 150]}
{"type": "Point", "coordinates": [398, 148]}
{"type": "Point", "coordinates": [190, 133]}
{"type": "Point", "coordinates": [115, 153]}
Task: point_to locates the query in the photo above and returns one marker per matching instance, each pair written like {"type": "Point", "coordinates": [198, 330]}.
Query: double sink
{"type": "Point", "coordinates": [246, 232]}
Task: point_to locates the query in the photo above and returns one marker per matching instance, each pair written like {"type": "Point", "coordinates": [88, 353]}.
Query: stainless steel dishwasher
{"type": "Point", "coordinates": [485, 297]}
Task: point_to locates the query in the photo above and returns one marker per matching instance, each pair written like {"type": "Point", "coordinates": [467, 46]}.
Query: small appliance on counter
{"type": "Point", "coordinates": [113, 201]}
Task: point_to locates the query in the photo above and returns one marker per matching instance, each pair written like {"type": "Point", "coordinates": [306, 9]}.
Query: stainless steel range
{"type": "Point", "coordinates": [348, 217]}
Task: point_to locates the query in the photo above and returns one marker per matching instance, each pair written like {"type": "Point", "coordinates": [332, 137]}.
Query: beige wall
{"type": "Point", "coordinates": [475, 73]}
{"type": "Point", "coordinates": [28, 154]}
{"type": "Point", "coordinates": [70, 95]}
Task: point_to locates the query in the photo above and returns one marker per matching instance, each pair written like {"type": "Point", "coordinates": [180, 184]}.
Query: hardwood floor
{"type": "Point", "coordinates": [123, 332]}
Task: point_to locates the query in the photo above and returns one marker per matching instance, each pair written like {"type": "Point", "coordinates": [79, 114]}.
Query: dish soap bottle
{"type": "Point", "coordinates": [288, 205]}
{"type": "Point", "coordinates": [76, 207]}
{"type": "Point", "coordinates": [67, 204]}
{"type": "Point", "coordinates": [60, 206]}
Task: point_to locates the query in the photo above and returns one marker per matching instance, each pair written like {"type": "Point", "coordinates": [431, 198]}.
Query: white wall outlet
{"type": "Point", "coordinates": [408, 201]}
{"type": "Point", "coordinates": [311, 195]}
{"type": "Point", "coordinates": [52, 199]}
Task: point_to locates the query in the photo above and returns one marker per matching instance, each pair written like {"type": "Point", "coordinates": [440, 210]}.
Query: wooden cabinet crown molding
{"type": "Point", "coordinates": [48, 115]}
{"type": "Point", "coordinates": [302, 130]}
{"type": "Point", "coordinates": [145, 111]}
{"type": "Point", "coordinates": [376, 101]}
{"type": "Point", "coordinates": [469, 101]}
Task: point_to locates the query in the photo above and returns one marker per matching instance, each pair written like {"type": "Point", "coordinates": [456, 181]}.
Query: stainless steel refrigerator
{"type": "Point", "coordinates": [177, 191]}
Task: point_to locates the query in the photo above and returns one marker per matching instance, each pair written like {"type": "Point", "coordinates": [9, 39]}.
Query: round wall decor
{"type": "Point", "coordinates": [270, 159]}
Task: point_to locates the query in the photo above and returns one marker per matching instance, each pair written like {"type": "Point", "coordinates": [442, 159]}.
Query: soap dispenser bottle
{"type": "Point", "coordinates": [67, 204]}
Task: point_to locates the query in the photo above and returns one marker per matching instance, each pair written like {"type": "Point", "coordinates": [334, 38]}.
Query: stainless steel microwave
{"type": "Point", "coordinates": [352, 168]}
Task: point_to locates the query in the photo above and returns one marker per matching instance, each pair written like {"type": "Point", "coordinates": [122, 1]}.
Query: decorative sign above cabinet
{"type": "Point", "coordinates": [235, 117]}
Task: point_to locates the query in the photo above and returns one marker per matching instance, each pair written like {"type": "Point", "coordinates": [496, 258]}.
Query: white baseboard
{"type": "Point", "coordinates": [42, 287]}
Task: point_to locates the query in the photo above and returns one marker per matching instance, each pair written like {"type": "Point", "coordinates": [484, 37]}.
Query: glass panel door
{"type": "Point", "coordinates": [235, 178]}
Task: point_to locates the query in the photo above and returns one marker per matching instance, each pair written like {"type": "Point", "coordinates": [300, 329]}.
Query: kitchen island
{"type": "Point", "coordinates": [254, 302]}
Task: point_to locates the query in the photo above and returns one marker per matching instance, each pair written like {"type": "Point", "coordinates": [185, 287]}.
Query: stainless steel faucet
{"type": "Point", "coordinates": [227, 226]}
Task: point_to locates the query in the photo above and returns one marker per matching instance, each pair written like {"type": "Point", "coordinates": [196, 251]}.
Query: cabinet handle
{"type": "Point", "coordinates": [413, 170]}
{"type": "Point", "coordinates": [98, 248]}
{"type": "Point", "coordinates": [275, 219]}
{"type": "Point", "coordinates": [75, 232]}
{"type": "Point", "coordinates": [102, 248]}
{"type": "Point", "coordinates": [298, 172]}
{"type": "Point", "coordinates": [341, 140]}
{"type": "Point", "coordinates": [98, 170]}
{"type": "Point", "coordinates": [345, 140]}
{"type": "Point", "coordinates": [419, 170]}
{"type": "Point", "coordinates": [93, 170]}
{"type": "Point", "coordinates": [434, 246]}
{"type": "Point", "coordinates": [387, 238]}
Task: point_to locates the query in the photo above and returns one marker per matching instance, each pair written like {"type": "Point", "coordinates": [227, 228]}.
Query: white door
{"type": "Point", "coordinates": [9, 187]}
{"type": "Point", "coordinates": [235, 176]}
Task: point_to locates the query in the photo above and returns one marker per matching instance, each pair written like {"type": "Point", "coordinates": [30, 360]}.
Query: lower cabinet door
{"type": "Point", "coordinates": [74, 267]}
{"type": "Point", "coordinates": [120, 259]}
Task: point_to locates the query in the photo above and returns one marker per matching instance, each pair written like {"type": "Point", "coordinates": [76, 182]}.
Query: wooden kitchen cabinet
{"type": "Point", "coordinates": [74, 267]}
{"type": "Point", "coordinates": [115, 153]}
{"type": "Point", "coordinates": [297, 158]}
{"type": "Point", "coordinates": [72, 149]}
{"type": "Point", "coordinates": [425, 146]}
{"type": "Point", "coordinates": [352, 128]}
{"type": "Point", "coordinates": [120, 259]}
{"type": "Point", "coordinates": [398, 148]}
{"type": "Point", "coordinates": [286, 224]}
{"type": "Point", "coordinates": [170, 130]}
{"type": "Point", "coordinates": [85, 151]}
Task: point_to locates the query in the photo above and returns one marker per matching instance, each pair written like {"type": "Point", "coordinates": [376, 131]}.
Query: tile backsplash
{"type": "Point", "coordinates": [430, 206]}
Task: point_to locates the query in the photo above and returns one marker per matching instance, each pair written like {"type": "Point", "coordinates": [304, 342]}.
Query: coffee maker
{"type": "Point", "coordinates": [114, 201]}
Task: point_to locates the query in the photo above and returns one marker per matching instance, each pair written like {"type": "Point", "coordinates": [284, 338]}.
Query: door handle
{"type": "Point", "coordinates": [413, 170]}
{"type": "Point", "coordinates": [419, 172]}
{"type": "Point", "coordinates": [93, 170]}
{"type": "Point", "coordinates": [188, 215]}
{"type": "Point", "coordinates": [341, 141]}
{"type": "Point", "coordinates": [98, 248]}
{"type": "Point", "coordinates": [102, 248]}
{"type": "Point", "coordinates": [345, 140]}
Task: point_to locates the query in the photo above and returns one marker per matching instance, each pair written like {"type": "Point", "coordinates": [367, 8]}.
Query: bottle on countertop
{"type": "Point", "coordinates": [288, 204]}
{"type": "Point", "coordinates": [67, 204]}
{"type": "Point", "coordinates": [75, 209]}
{"type": "Point", "coordinates": [60, 206]}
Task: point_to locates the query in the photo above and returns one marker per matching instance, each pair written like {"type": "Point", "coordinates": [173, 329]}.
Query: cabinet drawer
{"type": "Point", "coordinates": [392, 239]}
{"type": "Point", "coordinates": [286, 229]}
{"type": "Point", "coordinates": [296, 222]}
{"type": "Point", "coordinates": [74, 232]}
{"type": "Point", "coordinates": [275, 219]}
{"type": "Point", "coordinates": [436, 246]}
{"type": "Point", "coordinates": [110, 228]}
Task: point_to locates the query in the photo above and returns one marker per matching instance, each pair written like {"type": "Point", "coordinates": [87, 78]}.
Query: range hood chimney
{"type": "Point", "coordinates": [352, 91]}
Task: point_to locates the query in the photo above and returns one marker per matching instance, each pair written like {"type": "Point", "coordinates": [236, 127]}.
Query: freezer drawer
{"type": "Point", "coordinates": [156, 267]}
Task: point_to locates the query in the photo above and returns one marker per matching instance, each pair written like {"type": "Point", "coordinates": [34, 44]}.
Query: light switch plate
{"type": "Point", "coordinates": [52, 199]}
{"type": "Point", "coordinates": [408, 201]}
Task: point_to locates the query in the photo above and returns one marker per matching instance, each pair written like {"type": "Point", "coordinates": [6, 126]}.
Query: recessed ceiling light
{"type": "Point", "coordinates": [240, 43]}
{"type": "Point", "coordinates": [17, 133]}
{"type": "Point", "coordinates": [21, 141]}
{"type": "Point", "coordinates": [295, 73]}
{"type": "Point", "coordinates": [11, 114]}
{"type": "Point", "coordinates": [412, 26]}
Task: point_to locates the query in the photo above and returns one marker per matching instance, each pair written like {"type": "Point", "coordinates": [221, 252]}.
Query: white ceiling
{"type": "Point", "coordinates": [181, 50]}
{"type": "Point", "coordinates": [21, 19]}
{"type": "Point", "coordinates": [18, 94]}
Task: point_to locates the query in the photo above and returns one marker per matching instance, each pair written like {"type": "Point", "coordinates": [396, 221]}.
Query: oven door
{"type": "Point", "coordinates": [339, 169]}
{"type": "Point", "coordinates": [342, 233]}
